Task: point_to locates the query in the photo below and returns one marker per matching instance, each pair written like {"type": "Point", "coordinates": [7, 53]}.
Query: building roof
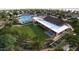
{"type": "Point", "coordinates": [54, 20]}
{"type": "Point", "coordinates": [25, 19]}
{"type": "Point", "coordinates": [2, 24]}
{"type": "Point", "coordinates": [55, 27]}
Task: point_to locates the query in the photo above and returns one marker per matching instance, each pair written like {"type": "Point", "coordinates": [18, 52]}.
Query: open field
{"type": "Point", "coordinates": [30, 31]}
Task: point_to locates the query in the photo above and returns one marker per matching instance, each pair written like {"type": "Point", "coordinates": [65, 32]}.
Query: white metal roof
{"type": "Point", "coordinates": [51, 26]}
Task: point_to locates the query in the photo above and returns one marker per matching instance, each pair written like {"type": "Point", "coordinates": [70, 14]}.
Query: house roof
{"type": "Point", "coordinates": [2, 24]}
{"type": "Point", "coordinates": [50, 25]}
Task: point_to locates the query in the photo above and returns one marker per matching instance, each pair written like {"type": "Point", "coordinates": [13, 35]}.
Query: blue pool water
{"type": "Point", "coordinates": [25, 19]}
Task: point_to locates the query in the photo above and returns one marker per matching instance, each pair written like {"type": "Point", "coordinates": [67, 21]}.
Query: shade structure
{"type": "Point", "coordinates": [25, 19]}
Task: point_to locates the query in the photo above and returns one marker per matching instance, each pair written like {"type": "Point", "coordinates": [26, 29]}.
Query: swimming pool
{"type": "Point", "coordinates": [25, 19]}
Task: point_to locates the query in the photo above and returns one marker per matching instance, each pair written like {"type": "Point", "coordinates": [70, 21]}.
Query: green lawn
{"type": "Point", "coordinates": [38, 31]}
{"type": "Point", "coordinates": [30, 31]}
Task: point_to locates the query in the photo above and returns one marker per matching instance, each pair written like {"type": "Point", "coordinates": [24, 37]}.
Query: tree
{"type": "Point", "coordinates": [7, 42]}
{"type": "Point", "coordinates": [72, 39]}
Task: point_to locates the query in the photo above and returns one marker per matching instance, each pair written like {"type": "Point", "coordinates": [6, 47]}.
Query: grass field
{"type": "Point", "coordinates": [30, 31]}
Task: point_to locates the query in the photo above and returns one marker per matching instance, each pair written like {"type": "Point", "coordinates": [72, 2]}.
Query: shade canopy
{"type": "Point", "coordinates": [25, 19]}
